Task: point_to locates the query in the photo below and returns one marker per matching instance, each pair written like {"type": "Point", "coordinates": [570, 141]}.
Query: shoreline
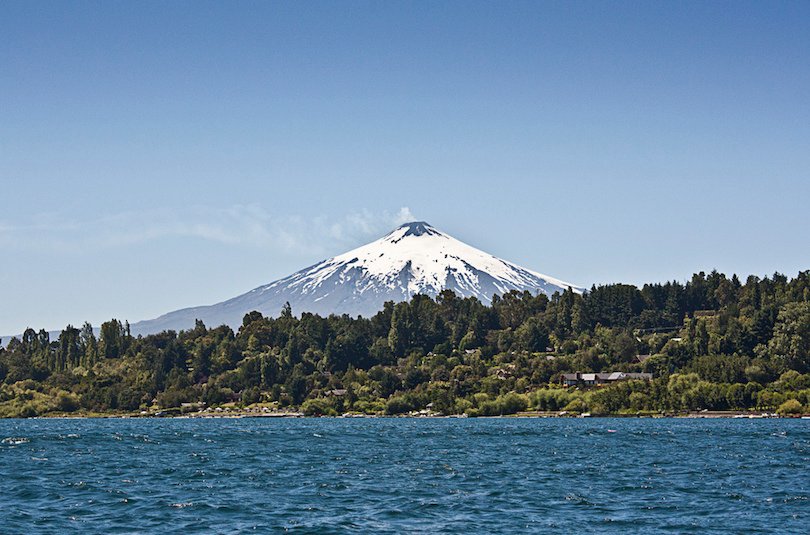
{"type": "Point", "coordinates": [239, 414]}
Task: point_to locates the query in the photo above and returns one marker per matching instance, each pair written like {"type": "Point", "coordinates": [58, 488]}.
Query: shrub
{"type": "Point", "coordinates": [28, 411]}
{"type": "Point", "coordinates": [638, 401]}
{"type": "Point", "coordinates": [398, 405]}
{"type": "Point", "coordinates": [489, 408]}
{"type": "Point", "coordinates": [66, 402]}
{"type": "Point", "coordinates": [512, 403]}
{"type": "Point", "coordinates": [550, 399]}
{"type": "Point", "coordinates": [318, 407]}
{"type": "Point", "coordinates": [576, 405]}
{"type": "Point", "coordinates": [598, 409]}
{"type": "Point", "coordinates": [369, 407]}
{"type": "Point", "coordinates": [461, 405]}
{"type": "Point", "coordinates": [790, 406]}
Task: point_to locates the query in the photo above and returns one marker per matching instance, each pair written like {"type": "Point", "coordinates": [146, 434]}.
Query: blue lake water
{"type": "Point", "coordinates": [500, 475]}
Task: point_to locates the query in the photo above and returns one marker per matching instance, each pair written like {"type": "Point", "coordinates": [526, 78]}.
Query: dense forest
{"type": "Point", "coordinates": [714, 343]}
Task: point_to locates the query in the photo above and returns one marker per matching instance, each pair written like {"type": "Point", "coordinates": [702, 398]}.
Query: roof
{"type": "Point", "coordinates": [607, 376]}
{"type": "Point", "coordinates": [642, 375]}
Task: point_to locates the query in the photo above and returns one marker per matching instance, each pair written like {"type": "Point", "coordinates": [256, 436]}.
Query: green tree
{"type": "Point", "coordinates": [791, 337]}
{"type": "Point", "coordinates": [112, 339]}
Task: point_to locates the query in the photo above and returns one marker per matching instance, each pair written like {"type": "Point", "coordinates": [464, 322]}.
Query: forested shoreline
{"type": "Point", "coordinates": [713, 343]}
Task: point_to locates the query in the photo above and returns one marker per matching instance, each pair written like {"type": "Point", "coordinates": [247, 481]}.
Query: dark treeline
{"type": "Point", "coordinates": [712, 343]}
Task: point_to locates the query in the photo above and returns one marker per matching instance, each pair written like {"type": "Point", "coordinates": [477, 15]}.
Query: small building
{"type": "Point", "coordinates": [570, 379]}
{"type": "Point", "coordinates": [599, 379]}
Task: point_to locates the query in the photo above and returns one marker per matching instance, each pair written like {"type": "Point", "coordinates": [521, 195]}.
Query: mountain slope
{"type": "Point", "coordinates": [414, 258]}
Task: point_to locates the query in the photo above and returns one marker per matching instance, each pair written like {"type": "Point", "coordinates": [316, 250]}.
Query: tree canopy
{"type": "Point", "coordinates": [712, 342]}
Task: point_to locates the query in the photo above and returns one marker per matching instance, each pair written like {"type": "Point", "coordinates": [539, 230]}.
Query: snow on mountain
{"type": "Point", "coordinates": [414, 258]}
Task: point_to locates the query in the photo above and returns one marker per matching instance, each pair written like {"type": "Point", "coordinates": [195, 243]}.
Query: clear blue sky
{"type": "Point", "coordinates": [157, 155]}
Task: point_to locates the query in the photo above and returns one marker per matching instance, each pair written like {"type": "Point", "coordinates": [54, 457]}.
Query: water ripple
{"type": "Point", "coordinates": [402, 475]}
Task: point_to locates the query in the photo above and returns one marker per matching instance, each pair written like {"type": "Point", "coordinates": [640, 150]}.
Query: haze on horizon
{"type": "Point", "coordinates": [157, 156]}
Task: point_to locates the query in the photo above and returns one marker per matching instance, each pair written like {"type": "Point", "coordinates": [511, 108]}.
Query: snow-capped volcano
{"type": "Point", "coordinates": [414, 258]}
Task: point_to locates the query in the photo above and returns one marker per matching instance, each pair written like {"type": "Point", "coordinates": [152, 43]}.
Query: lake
{"type": "Point", "coordinates": [395, 475]}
